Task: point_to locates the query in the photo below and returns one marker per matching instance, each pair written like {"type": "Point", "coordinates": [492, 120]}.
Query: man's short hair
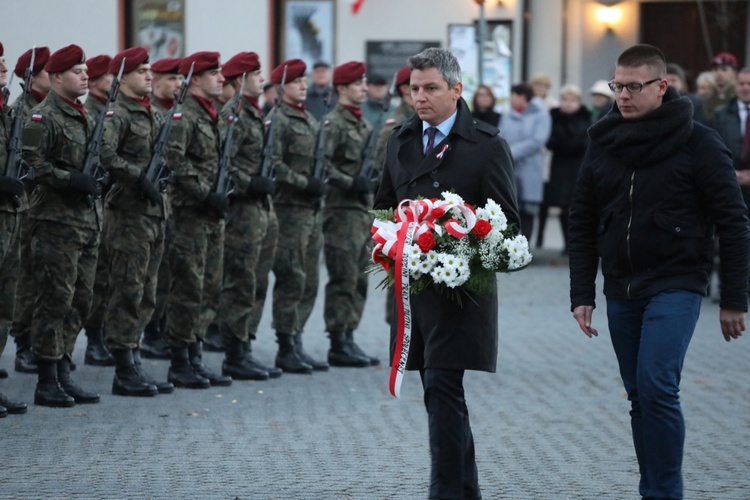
{"type": "Point", "coordinates": [376, 79]}
{"type": "Point", "coordinates": [523, 89]}
{"type": "Point", "coordinates": [321, 64]}
{"type": "Point", "coordinates": [445, 62]}
{"type": "Point", "coordinates": [676, 69]}
{"type": "Point", "coordinates": [644, 55]}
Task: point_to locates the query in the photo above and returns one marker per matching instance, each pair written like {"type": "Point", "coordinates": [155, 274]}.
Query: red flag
{"type": "Point", "coordinates": [356, 5]}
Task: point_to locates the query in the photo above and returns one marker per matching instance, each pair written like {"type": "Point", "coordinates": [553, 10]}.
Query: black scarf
{"type": "Point", "coordinates": [646, 140]}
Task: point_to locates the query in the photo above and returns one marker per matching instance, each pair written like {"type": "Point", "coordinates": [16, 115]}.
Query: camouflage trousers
{"type": "Point", "coordinates": [296, 267]}
{"type": "Point", "coordinates": [164, 276]}
{"type": "Point", "coordinates": [246, 234]}
{"type": "Point", "coordinates": [195, 263]}
{"type": "Point", "coordinates": [64, 265]}
{"type": "Point", "coordinates": [25, 290]}
{"type": "Point", "coordinates": [347, 233]}
{"type": "Point", "coordinates": [9, 229]}
{"type": "Point", "coordinates": [263, 269]}
{"type": "Point", "coordinates": [135, 245]}
{"type": "Point", "coordinates": [101, 283]}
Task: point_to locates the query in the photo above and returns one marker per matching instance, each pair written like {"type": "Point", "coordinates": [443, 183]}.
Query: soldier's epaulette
{"type": "Point", "coordinates": [486, 128]}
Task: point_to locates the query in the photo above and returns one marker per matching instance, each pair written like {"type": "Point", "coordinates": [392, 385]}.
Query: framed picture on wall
{"type": "Point", "coordinates": [307, 30]}
{"type": "Point", "coordinates": [158, 25]}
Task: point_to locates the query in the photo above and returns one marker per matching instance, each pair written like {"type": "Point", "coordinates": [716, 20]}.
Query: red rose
{"type": "Point", "coordinates": [426, 242]}
{"type": "Point", "coordinates": [438, 212]}
{"type": "Point", "coordinates": [482, 228]}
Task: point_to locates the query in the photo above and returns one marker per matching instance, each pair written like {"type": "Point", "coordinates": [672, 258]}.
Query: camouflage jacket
{"type": "Point", "coordinates": [6, 126]}
{"type": "Point", "coordinates": [401, 113]}
{"type": "Point", "coordinates": [93, 107]}
{"type": "Point", "coordinates": [55, 138]}
{"type": "Point", "coordinates": [293, 154]}
{"type": "Point", "coordinates": [129, 136]}
{"type": "Point", "coordinates": [29, 104]}
{"type": "Point", "coordinates": [193, 156]}
{"type": "Point", "coordinates": [159, 107]}
{"type": "Point", "coordinates": [346, 139]}
{"type": "Point", "coordinates": [247, 144]}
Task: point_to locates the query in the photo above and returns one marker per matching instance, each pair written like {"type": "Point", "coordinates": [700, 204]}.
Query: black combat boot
{"type": "Point", "coordinates": [126, 381]}
{"type": "Point", "coordinates": [75, 391]}
{"type": "Point", "coordinates": [318, 366]}
{"type": "Point", "coordinates": [26, 362]}
{"type": "Point", "coordinates": [287, 359]}
{"type": "Point", "coordinates": [195, 351]}
{"type": "Point", "coordinates": [48, 390]}
{"type": "Point", "coordinates": [12, 407]}
{"type": "Point", "coordinates": [162, 387]}
{"type": "Point", "coordinates": [97, 353]}
{"type": "Point", "coordinates": [359, 352]}
{"type": "Point", "coordinates": [342, 354]}
{"type": "Point", "coordinates": [214, 341]}
{"type": "Point", "coordinates": [236, 362]}
{"type": "Point", "coordinates": [153, 343]}
{"type": "Point", "coordinates": [181, 373]}
{"type": "Point", "coordinates": [3, 373]}
{"type": "Point", "coordinates": [273, 372]}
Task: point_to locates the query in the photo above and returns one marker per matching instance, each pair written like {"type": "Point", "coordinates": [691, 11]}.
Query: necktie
{"type": "Point", "coordinates": [746, 137]}
{"type": "Point", "coordinates": [431, 131]}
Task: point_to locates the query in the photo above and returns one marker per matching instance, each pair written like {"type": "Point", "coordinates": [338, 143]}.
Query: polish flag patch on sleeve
{"type": "Point", "coordinates": [390, 121]}
{"type": "Point", "coordinates": [36, 117]}
{"type": "Point", "coordinates": [177, 116]}
{"type": "Point", "coordinates": [110, 113]}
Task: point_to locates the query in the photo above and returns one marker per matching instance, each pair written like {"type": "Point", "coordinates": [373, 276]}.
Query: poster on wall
{"type": "Point", "coordinates": [385, 58]}
{"type": "Point", "coordinates": [158, 25]}
{"type": "Point", "coordinates": [308, 31]}
{"type": "Point", "coordinates": [497, 59]}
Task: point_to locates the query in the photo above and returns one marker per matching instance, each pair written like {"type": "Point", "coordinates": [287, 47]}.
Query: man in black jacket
{"type": "Point", "coordinates": [441, 149]}
{"type": "Point", "coordinates": [653, 186]}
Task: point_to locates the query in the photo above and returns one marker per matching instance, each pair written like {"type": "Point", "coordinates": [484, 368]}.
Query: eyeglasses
{"type": "Point", "coordinates": [633, 87]}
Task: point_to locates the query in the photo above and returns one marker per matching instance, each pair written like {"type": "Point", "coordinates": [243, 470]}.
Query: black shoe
{"type": "Point", "coordinates": [48, 390]}
{"type": "Point", "coordinates": [161, 387]}
{"type": "Point", "coordinates": [26, 362]}
{"type": "Point", "coordinates": [181, 372]}
{"type": "Point", "coordinates": [273, 372]}
{"type": "Point", "coordinates": [75, 391]}
{"type": "Point", "coordinates": [126, 381]}
{"type": "Point", "coordinates": [195, 351]}
{"type": "Point", "coordinates": [341, 353]}
{"type": "Point", "coordinates": [3, 412]}
{"type": "Point", "coordinates": [318, 366]}
{"type": "Point", "coordinates": [214, 341]}
{"type": "Point", "coordinates": [97, 353]}
{"type": "Point", "coordinates": [153, 343]}
{"type": "Point", "coordinates": [288, 359]}
{"type": "Point", "coordinates": [12, 407]}
{"type": "Point", "coordinates": [236, 363]}
{"type": "Point", "coordinates": [3, 373]}
{"type": "Point", "coordinates": [359, 352]}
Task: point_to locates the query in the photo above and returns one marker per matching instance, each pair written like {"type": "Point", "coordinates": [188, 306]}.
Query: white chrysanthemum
{"type": "Point", "coordinates": [438, 274]}
{"type": "Point", "coordinates": [426, 265]}
{"type": "Point", "coordinates": [431, 257]}
{"type": "Point", "coordinates": [413, 264]}
{"type": "Point", "coordinates": [518, 251]}
{"type": "Point", "coordinates": [412, 251]}
{"type": "Point", "coordinates": [452, 198]}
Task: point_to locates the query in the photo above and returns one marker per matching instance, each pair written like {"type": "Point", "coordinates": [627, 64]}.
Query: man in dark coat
{"type": "Point", "coordinates": [652, 187]}
{"type": "Point", "coordinates": [448, 338]}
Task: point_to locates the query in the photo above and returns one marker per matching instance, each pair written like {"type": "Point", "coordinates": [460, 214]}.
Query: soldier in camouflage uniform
{"type": "Point", "coordinates": [12, 201]}
{"type": "Point", "coordinates": [166, 83]}
{"type": "Point", "coordinates": [198, 223]}
{"type": "Point", "coordinates": [346, 220]}
{"type": "Point", "coordinates": [65, 220]}
{"type": "Point", "coordinates": [100, 81]}
{"type": "Point", "coordinates": [247, 224]}
{"type": "Point", "coordinates": [297, 203]}
{"type": "Point", "coordinates": [404, 111]}
{"type": "Point", "coordinates": [25, 292]}
{"type": "Point", "coordinates": [135, 212]}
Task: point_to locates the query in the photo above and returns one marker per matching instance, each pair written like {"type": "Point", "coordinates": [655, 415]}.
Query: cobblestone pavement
{"type": "Point", "coordinates": [552, 423]}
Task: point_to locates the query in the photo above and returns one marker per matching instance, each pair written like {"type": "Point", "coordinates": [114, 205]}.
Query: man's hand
{"type": "Point", "coordinates": [583, 314]}
{"type": "Point", "coordinates": [743, 177]}
{"type": "Point", "coordinates": [732, 323]}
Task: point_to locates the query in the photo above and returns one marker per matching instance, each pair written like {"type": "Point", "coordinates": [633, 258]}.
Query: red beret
{"type": "Point", "coordinates": [167, 65]}
{"type": "Point", "coordinates": [724, 59]}
{"type": "Point", "coordinates": [294, 69]}
{"type": "Point", "coordinates": [134, 57]}
{"type": "Point", "coordinates": [98, 66]}
{"type": "Point", "coordinates": [203, 62]}
{"type": "Point", "coordinates": [347, 73]}
{"type": "Point", "coordinates": [40, 59]}
{"type": "Point", "coordinates": [403, 76]}
{"type": "Point", "coordinates": [2, 49]}
{"type": "Point", "coordinates": [244, 62]}
{"type": "Point", "coordinates": [65, 58]}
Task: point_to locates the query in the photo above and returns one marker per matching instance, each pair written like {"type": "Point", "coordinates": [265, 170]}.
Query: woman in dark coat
{"type": "Point", "coordinates": [567, 142]}
{"type": "Point", "coordinates": [483, 106]}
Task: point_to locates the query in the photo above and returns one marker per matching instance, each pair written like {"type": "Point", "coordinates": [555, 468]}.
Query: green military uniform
{"type": "Point", "coordinates": [346, 221]}
{"type": "Point", "coordinates": [714, 100]}
{"type": "Point", "coordinates": [134, 233]}
{"type": "Point", "coordinates": [195, 278]}
{"type": "Point", "coordinates": [64, 226]}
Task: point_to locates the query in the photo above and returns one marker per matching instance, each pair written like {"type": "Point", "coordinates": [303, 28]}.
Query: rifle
{"type": "Point", "coordinates": [224, 184]}
{"type": "Point", "coordinates": [320, 169]}
{"type": "Point", "coordinates": [92, 165]}
{"type": "Point", "coordinates": [158, 163]}
{"type": "Point", "coordinates": [16, 165]}
{"type": "Point", "coordinates": [369, 169]}
{"type": "Point", "coordinates": [6, 89]}
{"type": "Point", "coordinates": [266, 168]}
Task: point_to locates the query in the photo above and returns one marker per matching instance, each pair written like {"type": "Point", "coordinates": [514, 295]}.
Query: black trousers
{"type": "Point", "coordinates": [454, 468]}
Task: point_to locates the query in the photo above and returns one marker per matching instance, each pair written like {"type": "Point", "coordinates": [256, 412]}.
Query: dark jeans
{"type": "Point", "coordinates": [454, 468]}
{"type": "Point", "coordinates": [650, 337]}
